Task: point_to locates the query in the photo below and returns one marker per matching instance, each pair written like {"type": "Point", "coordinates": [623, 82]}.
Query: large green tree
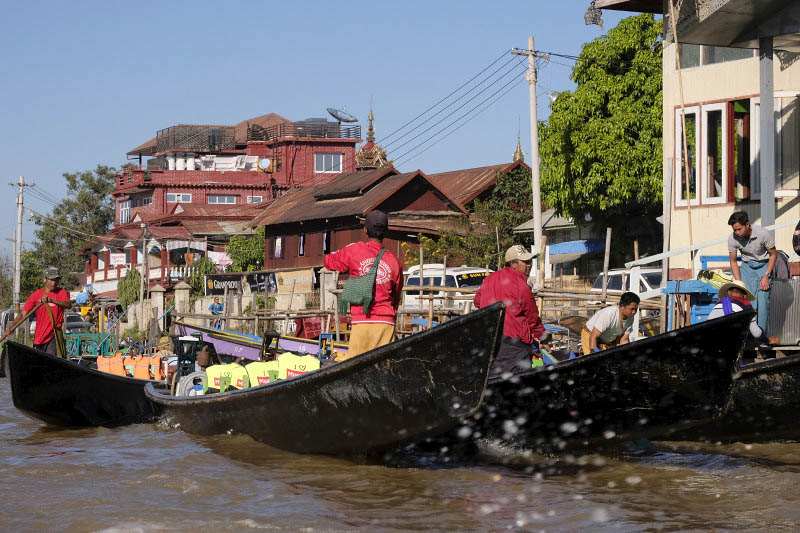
{"type": "Point", "coordinates": [86, 210]}
{"type": "Point", "coordinates": [601, 146]}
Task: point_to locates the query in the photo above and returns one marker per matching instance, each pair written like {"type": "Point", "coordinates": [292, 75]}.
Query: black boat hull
{"type": "Point", "coordinates": [407, 390]}
{"type": "Point", "coordinates": [649, 387]}
{"type": "Point", "coordinates": [63, 393]}
{"type": "Point", "coordinates": [764, 404]}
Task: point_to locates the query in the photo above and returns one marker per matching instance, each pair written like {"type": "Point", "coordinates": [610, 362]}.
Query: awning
{"type": "Point", "coordinates": [564, 252]}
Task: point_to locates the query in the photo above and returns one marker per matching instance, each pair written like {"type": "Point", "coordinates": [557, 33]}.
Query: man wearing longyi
{"type": "Point", "coordinates": [50, 315]}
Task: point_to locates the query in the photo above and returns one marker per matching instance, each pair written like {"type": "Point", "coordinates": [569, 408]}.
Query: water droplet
{"type": "Point", "coordinates": [608, 434]}
{"type": "Point", "coordinates": [633, 480]}
{"type": "Point", "coordinates": [600, 515]}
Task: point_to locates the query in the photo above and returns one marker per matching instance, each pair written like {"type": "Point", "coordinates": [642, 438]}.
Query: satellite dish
{"type": "Point", "coordinates": [264, 164]}
{"type": "Point", "coordinates": [341, 115]}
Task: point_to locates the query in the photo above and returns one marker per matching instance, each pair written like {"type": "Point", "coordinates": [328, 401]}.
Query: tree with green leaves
{"type": "Point", "coordinates": [197, 278]}
{"type": "Point", "coordinates": [601, 147]}
{"type": "Point", "coordinates": [128, 288]}
{"type": "Point", "coordinates": [86, 210]}
{"type": "Point", "coordinates": [247, 251]}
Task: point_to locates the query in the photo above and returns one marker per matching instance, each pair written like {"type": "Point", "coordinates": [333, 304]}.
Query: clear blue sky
{"type": "Point", "coordinates": [85, 82]}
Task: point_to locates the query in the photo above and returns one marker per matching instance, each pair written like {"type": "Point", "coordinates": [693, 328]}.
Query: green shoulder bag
{"type": "Point", "coordinates": [358, 291]}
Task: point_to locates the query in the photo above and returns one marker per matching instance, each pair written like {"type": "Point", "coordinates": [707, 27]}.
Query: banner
{"type": "Point", "coordinates": [262, 282]}
{"type": "Point", "coordinates": [216, 283]}
{"type": "Point", "coordinates": [117, 259]}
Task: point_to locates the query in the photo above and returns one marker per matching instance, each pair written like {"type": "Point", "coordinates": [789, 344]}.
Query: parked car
{"type": "Point", "coordinates": [456, 277]}
{"type": "Point", "coordinates": [619, 281]}
{"type": "Point", "coordinates": [74, 323]}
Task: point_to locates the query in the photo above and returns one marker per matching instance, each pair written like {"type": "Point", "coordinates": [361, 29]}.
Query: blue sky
{"type": "Point", "coordinates": [85, 82]}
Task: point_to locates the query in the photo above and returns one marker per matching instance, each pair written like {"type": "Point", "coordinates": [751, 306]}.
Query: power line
{"type": "Point", "coordinates": [464, 123]}
{"type": "Point", "coordinates": [502, 54]}
{"type": "Point", "coordinates": [459, 118]}
{"type": "Point", "coordinates": [505, 76]}
{"type": "Point", "coordinates": [451, 104]}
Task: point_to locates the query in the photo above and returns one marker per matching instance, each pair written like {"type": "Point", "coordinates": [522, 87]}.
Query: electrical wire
{"type": "Point", "coordinates": [454, 102]}
{"type": "Point", "coordinates": [513, 78]}
{"type": "Point", "coordinates": [446, 97]}
{"type": "Point", "coordinates": [403, 156]}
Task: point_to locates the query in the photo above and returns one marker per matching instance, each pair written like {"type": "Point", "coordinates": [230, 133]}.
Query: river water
{"type": "Point", "coordinates": [155, 477]}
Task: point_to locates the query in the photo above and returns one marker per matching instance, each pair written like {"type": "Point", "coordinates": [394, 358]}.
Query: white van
{"type": "Point", "coordinates": [456, 277]}
{"type": "Point", "coordinates": [619, 281]}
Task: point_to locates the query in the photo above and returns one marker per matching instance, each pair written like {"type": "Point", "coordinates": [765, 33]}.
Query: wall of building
{"type": "Point", "coordinates": [706, 85]}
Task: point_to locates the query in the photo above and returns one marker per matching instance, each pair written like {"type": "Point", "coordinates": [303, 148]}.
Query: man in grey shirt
{"type": "Point", "coordinates": [757, 247]}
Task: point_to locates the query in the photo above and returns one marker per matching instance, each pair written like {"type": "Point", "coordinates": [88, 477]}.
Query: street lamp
{"type": "Point", "coordinates": [593, 15]}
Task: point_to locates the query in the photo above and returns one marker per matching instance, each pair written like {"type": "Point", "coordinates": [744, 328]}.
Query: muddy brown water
{"type": "Point", "coordinates": [155, 477]}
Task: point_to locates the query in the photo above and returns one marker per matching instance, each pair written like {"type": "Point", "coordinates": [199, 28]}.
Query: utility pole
{"type": "Point", "coordinates": [18, 242]}
{"type": "Point", "coordinates": [530, 76]}
{"type": "Point", "coordinates": [141, 278]}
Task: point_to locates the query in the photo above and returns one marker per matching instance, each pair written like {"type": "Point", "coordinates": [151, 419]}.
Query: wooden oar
{"type": "Point", "coordinates": [25, 317]}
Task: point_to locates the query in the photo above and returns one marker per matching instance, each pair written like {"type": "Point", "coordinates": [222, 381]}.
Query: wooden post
{"type": "Point", "coordinates": [540, 262]}
{"type": "Point", "coordinates": [636, 249]}
{"type": "Point", "coordinates": [606, 256]}
{"type": "Point", "coordinates": [288, 309]}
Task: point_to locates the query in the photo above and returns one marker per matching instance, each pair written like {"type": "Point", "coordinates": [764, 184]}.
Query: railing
{"type": "Point", "coordinates": [327, 130]}
{"type": "Point", "coordinates": [196, 138]}
{"type": "Point", "coordinates": [634, 266]}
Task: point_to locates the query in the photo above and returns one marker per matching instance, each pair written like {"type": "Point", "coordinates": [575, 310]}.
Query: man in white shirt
{"type": "Point", "coordinates": [611, 326]}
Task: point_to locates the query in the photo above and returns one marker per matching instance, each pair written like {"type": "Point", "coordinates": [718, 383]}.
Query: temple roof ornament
{"type": "Point", "coordinates": [519, 155]}
{"type": "Point", "coordinates": [371, 155]}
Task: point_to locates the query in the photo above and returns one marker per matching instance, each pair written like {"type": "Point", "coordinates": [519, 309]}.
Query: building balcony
{"type": "Point", "coordinates": [311, 128]}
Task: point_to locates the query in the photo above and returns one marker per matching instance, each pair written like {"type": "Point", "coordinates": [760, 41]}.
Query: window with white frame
{"type": "Point", "coordinates": [787, 145]}
{"type": "Point", "coordinates": [125, 212]}
{"type": "Point", "coordinates": [144, 201]}
{"type": "Point", "coordinates": [179, 198]}
{"type": "Point", "coordinates": [328, 163]}
{"type": "Point", "coordinates": [255, 199]}
{"type": "Point", "coordinates": [714, 154]}
{"type": "Point", "coordinates": [686, 185]}
{"type": "Point", "coordinates": [221, 199]}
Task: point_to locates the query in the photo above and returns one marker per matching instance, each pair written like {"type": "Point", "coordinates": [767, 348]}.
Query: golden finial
{"type": "Point", "coordinates": [518, 154]}
{"type": "Point", "coordinates": [370, 129]}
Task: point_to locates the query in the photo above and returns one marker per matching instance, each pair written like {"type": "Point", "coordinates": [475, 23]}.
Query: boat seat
{"type": "Point", "coordinates": [218, 379]}
{"type": "Point", "coordinates": [239, 377]}
{"type": "Point", "coordinates": [262, 372]}
{"type": "Point", "coordinates": [291, 365]}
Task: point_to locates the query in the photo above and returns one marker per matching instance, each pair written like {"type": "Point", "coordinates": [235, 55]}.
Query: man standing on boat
{"type": "Point", "coordinates": [374, 326]}
{"type": "Point", "coordinates": [522, 325]}
{"type": "Point", "coordinates": [611, 326]}
{"type": "Point", "coordinates": [49, 315]}
{"type": "Point", "coordinates": [757, 248]}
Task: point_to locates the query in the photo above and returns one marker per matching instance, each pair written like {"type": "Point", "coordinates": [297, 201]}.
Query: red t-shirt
{"type": "Point", "coordinates": [44, 326]}
{"type": "Point", "coordinates": [357, 258]}
{"type": "Point", "coordinates": [522, 319]}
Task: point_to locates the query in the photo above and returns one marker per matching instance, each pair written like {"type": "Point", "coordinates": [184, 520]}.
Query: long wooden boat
{"type": "Point", "coordinates": [652, 386]}
{"type": "Point", "coordinates": [764, 404]}
{"type": "Point", "coordinates": [418, 386]}
{"type": "Point", "coordinates": [249, 346]}
{"type": "Point", "coordinates": [60, 392]}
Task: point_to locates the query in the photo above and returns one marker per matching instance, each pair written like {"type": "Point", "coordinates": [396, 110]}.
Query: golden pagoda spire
{"type": "Point", "coordinates": [518, 154]}
{"type": "Point", "coordinates": [370, 129]}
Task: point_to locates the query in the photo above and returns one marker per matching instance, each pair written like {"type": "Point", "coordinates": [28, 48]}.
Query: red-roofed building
{"type": "Point", "coordinates": [253, 161]}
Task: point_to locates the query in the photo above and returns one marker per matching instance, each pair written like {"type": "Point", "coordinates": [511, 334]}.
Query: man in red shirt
{"type": "Point", "coordinates": [372, 327]}
{"type": "Point", "coordinates": [522, 325]}
{"type": "Point", "coordinates": [47, 321]}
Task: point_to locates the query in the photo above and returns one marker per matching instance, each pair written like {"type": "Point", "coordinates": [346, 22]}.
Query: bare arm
{"type": "Point", "coordinates": [773, 256]}
{"type": "Point", "coordinates": [734, 266]}
{"type": "Point", "coordinates": [593, 337]}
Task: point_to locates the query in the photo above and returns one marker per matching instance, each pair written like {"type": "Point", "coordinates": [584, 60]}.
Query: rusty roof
{"type": "Point", "coordinates": [465, 185]}
{"type": "Point", "coordinates": [353, 183]}
{"type": "Point", "coordinates": [240, 131]}
{"type": "Point", "coordinates": [306, 204]}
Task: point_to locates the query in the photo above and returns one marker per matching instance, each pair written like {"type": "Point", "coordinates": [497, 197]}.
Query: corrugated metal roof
{"type": "Point", "coordinates": [465, 185]}
{"type": "Point", "coordinates": [302, 204]}
{"type": "Point", "coordinates": [352, 183]}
